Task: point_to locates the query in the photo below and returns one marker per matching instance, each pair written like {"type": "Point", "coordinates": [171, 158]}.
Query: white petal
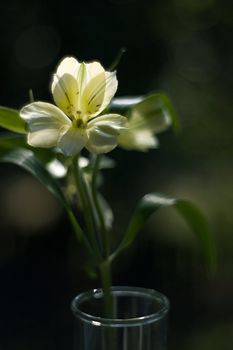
{"type": "Point", "coordinates": [66, 92]}
{"type": "Point", "coordinates": [137, 140]}
{"type": "Point", "coordinates": [86, 73]}
{"type": "Point", "coordinates": [93, 95]}
{"type": "Point", "coordinates": [111, 88]}
{"type": "Point", "coordinates": [100, 142]}
{"type": "Point", "coordinates": [150, 114]}
{"type": "Point", "coordinates": [153, 122]}
{"type": "Point", "coordinates": [82, 77]}
{"type": "Point", "coordinates": [112, 122]}
{"type": "Point", "coordinates": [94, 69]}
{"type": "Point", "coordinates": [103, 132]}
{"type": "Point", "coordinates": [46, 123]}
{"type": "Point", "coordinates": [73, 141]}
{"type": "Point", "coordinates": [69, 65]}
{"type": "Point", "coordinates": [64, 86]}
{"type": "Point", "coordinates": [98, 93]}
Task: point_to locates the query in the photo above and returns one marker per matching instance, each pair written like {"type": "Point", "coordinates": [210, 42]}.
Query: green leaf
{"type": "Point", "coordinates": [10, 119]}
{"type": "Point", "coordinates": [11, 140]}
{"type": "Point", "coordinates": [150, 203]}
{"type": "Point", "coordinates": [167, 107]}
{"type": "Point", "coordinates": [145, 208]}
{"type": "Point", "coordinates": [198, 223]}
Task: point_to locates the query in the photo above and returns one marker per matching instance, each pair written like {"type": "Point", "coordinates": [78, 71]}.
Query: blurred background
{"type": "Point", "coordinates": [181, 47]}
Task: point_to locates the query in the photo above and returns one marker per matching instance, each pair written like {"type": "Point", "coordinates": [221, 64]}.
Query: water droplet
{"type": "Point", "coordinates": [98, 293]}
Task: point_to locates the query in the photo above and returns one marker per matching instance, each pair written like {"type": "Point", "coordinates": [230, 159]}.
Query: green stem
{"type": "Point", "coordinates": [117, 59]}
{"type": "Point", "coordinates": [103, 229]}
{"type": "Point", "coordinates": [106, 281]}
{"type": "Point", "coordinates": [110, 341]}
{"type": "Point", "coordinates": [79, 233]}
{"type": "Point", "coordinates": [105, 266]}
{"type": "Point", "coordinates": [87, 208]}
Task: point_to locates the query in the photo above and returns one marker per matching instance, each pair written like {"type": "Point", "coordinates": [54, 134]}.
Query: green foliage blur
{"type": "Point", "coordinates": [181, 47]}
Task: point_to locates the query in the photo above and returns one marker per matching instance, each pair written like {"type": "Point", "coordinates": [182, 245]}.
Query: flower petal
{"type": "Point", "coordinates": [110, 90]}
{"type": "Point", "coordinates": [93, 69]}
{"type": "Point", "coordinates": [93, 95]}
{"type": "Point", "coordinates": [69, 65]}
{"type": "Point", "coordinates": [114, 122]}
{"type": "Point", "coordinates": [138, 140]}
{"type": "Point", "coordinates": [103, 132]}
{"type": "Point", "coordinates": [65, 93]}
{"type": "Point", "coordinates": [98, 93]}
{"type": "Point", "coordinates": [100, 142]}
{"type": "Point", "coordinates": [73, 141]}
{"type": "Point", "coordinates": [149, 114]}
{"type": "Point", "coordinates": [65, 87]}
{"type": "Point", "coordinates": [46, 123]}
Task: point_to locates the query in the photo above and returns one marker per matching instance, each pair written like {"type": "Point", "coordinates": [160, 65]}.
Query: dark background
{"type": "Point", "coordinates": [182, 47]}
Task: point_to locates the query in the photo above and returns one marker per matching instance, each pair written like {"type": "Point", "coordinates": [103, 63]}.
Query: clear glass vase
{"type": "Point", "coordinates": [139, 321]}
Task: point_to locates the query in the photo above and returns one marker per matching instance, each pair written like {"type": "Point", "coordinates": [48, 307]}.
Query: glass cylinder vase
{"type": "Point", "coordinates": [139, 321]}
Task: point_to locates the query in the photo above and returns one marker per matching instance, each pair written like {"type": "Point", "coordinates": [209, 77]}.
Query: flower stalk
{"type": "Point", "coordinates": [86, 205]}
{"type": "Point", "coordinates": [106, 282]}
{"type": "Point", "coordinates": [103, 230]}
{"type": "Point", "coordinates": [92, 211]}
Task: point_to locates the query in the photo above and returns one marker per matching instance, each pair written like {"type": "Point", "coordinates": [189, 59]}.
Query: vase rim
{"type": "Point", "coordinates": [121, 291]}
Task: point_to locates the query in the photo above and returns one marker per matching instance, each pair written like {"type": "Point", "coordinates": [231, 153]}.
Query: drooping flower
{"type": "Point", "coordinates": [81, 92]}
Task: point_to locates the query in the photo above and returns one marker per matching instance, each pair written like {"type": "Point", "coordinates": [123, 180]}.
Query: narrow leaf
{"type": "Point", "coordinates": [150, 203]}
{"type": "Point", "coordinates": [10, 119]}
{"type": "Point", "coordinates": [11, 140]}
{"type": "Point", "coordinates": [198, 223]}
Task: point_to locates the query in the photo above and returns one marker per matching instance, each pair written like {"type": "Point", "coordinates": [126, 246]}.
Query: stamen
{"type": "Point", "coordinates": [78, 123]}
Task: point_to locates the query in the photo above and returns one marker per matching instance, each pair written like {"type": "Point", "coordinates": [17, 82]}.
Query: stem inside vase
{"type": "Point", "coordinates": [139, 323]}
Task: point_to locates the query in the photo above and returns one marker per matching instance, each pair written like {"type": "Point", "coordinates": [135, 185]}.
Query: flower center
{"type": "Point", "coordinates": [78, 123]}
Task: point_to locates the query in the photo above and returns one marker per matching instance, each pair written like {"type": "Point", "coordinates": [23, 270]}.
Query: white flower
{"type": "Point", "coordinates": [81, 92]}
